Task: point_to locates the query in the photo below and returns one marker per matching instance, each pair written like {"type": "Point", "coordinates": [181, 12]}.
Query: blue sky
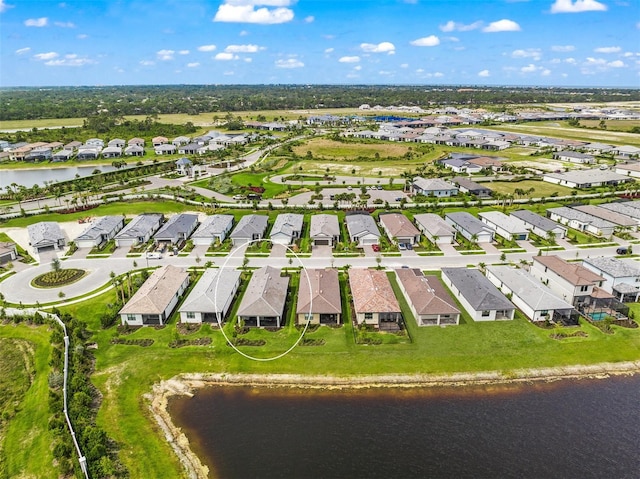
{"type": "Point", "coordinates": [479, 42]}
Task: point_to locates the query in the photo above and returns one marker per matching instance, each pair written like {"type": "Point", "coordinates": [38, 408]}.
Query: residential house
{"type": "Point", "coordinates": [210, 299]}
{"type": "Point", "coordinates": [458, 165]}
{"type": "Point", "coordinates": [139, 230]}
{"type": "Point", "coordinates": [479, 297]}
{"type": "Point", "coordinates": [319, 300]}
{"type": "Point", "coordinates": [117, 142]}
{"type": "Point", "coordinates": [488, 163]}
{"type": "Point", "coordinates": [622, 221]}
{"type": "Point", "coordinates": [362, 229]}
{"type": "Point", "coordinates": [428, 299]}
{"type": "Point", "coordinates": [95, 142]}
{"type": "Point", "coordinates": [42, 153]}
{"type": "Point", "coordinates": [597, 148]}
{"type": "Point", "coordinates": [399, 229]}
{"type": "Point", "coordinates": [435, 229]}
{"type": "Point", "coordinates": [265, 298]}
{"type": "Point", "coordinates": [101, 231]}
{"type": "Point", "coordinates": [62, 155]}
{"type": "Point", "coordinates": [214, 228]}
{"type": "Point", "coordinates": [184, 166]}
{"type": "Point", "coordinates": [181, 140]}
{"type": "Point", "coordinates": [470, 227]}
{"type": "Point", "coordinates": [509, 227]}
{"type": "Point", "coordinates": [586, 178]}
{"type": "Point", "coordinates": [534, 299]}
{"type": "Point", "coordinates": [622, 278]}
{"type": "Point", "coordinates": [189, 149]}
{"type": "Point", "coordinates": [574, 157]}
{"type": "Point", "coordinates": [467, 186]}
{"type": "Point", "coordinates": [324, 230]}
{"type": "Point", "coordinates": [539, 225]}
{"type": "Point", "coordinates": [623, 207]}
{"type": "Point", "coordinates": [136, 141]}
{"type": "Point", "coordinates": [249, 228]}
{"type": "Point", "coordinates": [112, 152]}
{"type": "Point", "coordinates": [164, 149]}
{"type": "Point", "coordinates": [46, 236]}
{"type": "Point", "coordinates": [433, 187]}
{"type": "Point", "coordinates": [159, 140]}
{"type": "Point", "coordinates": [156, 299]}
{"type": "Point", "coordinates": [73, 145]}
{"type": "Point", "coordinates": [178, 228]}
{"type": "Point", "coordinates": [570, 281]}
{"type": "Point", "coordinates": [134, 150]}
{"type": "Point", "coordinates": [8, 252]}
{"type": "Point", "coordinates": [374, 302]}
{"type": "Point", "coordinates": [627, 151]}
{"type": "Point", "coordinates": [88, 153]}
{"type": "Point", "coordinates": [287, 228]}
{"type": "Point", "coordinates": [581, 221]}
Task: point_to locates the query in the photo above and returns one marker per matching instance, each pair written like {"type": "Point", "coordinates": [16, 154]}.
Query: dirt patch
{"type": "Point", "coordinates": [186, 384]}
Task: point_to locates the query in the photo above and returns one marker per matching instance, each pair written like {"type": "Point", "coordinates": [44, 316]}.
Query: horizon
{"type": "Point", "coordinates": [491, 44]}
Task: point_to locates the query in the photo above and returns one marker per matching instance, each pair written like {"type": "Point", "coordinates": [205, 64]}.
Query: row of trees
{"type": "Point", "coordinates": [65, 102]}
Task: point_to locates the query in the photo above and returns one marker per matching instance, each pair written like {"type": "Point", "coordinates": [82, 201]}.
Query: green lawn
{"type": "Point", "coordinates": [542, 188]}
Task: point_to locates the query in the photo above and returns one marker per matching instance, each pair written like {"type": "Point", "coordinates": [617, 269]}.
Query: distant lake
{"type": "Point", "coordinates": [30, 177]}
{"type": "Point", "coordinates": [565, 429]}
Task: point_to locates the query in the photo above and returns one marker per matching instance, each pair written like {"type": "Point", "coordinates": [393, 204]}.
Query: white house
{"type": "Point", "coordinates": [622, 278]}
{"type": "Point", "coordinates": [212, 297]}
{"type": "Point", "coordinates": [213, 228]}
{"type": "Point", "coordinates": [470, 227]}
{"type": "Point", "coordinates": [508, 227]}
{"type": "Point", "coordinates": [539, 225]}
{"type": "Point", "coordinates": [287, 228]}
{"type": "Point", "coordinates": [581, 221]}
{"type": "Point", "coordinates": [435, 229]}
{"type": "Point", "coordinates": [362, 229]}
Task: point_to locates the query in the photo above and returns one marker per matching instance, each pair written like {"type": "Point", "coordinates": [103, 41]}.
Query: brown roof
{"type": "Point", "coordinates": [486, 161]}
{"type": "Point", "coordinates": [398, 225]}
{"type": "Point", "coordinates": [372, 292]}
{"type": "Point", "coordinates": [156, 293]}
{"type": "Point", "coordinates": [324, 295]}
{"type": "Point", "coordinates": [426, 293]}
{"type": "Point", "coordinates": [574, 273]}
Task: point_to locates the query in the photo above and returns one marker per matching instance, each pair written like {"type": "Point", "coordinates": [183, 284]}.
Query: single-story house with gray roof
{"type": "Point", "coordinates": [540, 225]}
{"type": "Point", "coordinates": [249, 228]}
{"type": "Point", "coordinates": [139, 230]}
{"type": "Point", "coordinates": [479, 297]}
{"type": "Point", "coordinates": [211, 298]}
{"type": "Point", "coordinates": [581, 221]}
{"type": "Point", "coordinates": [178, 228]}
{"type": "Point", "coordinates": [213, 228]}
{"type": "Point", "coordinates": [324, 230]}
{"type": "Point", "coordinates": [265, 298]}
{"type": "Point", "coordinates": [433, 187]}
{"type": "Point", "coordinates": [435, 229]}
{"type": "Point", "coordinates": [470, 227]}
{"type": "Point", "coordinates": [101, 231]}
{"type": "Point", "coordinates": [8, 252]}
{"type": "Point", "coordinates": [362, 229]}
{"type": "Point", "coordinates": [586, 178]}
{"type": "Point", "coordinates": [45, 236]}
{"type": "Point", "coordinates": [287, 228]}
{"type": "Point", "coordinates": [134, 150]}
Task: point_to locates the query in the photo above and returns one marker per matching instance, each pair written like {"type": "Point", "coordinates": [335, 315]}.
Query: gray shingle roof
{"type": "Point", "coordinates": [468, 222]}
{"type": "Point", "coordinates": [213, 225]}
{"type": "Point", "coordinates": [613, 266]}
{"type": "Point", "coordinates": [324, 225]}
{"type": "Point", "coordinates": [434, 224]}
{"type": "Point", "coordinates": [359, 225]}
{"type": "Point", "coordinates": [103, 226]}
{"type": "Point", "coordinates": [140, 226]}
{"type": "Point", "coordinates": [212, 291]}
{"type": "Point", "coordinates": [44, 233]}
{"type": "Point", "coordinates": [479, 292]}
{"type": "Point", "coordinates": [250, 225]}
{"type": "Point", "coordinates": [577, 215]}
{"type": "Point", "coordinates": [545, 224]}
{"type": "Point", "coordinates": [266, 293]}
{"type": "Point", "coordinates": [180, 224]}
{"type": "Point", "coordinates": [287, 224]}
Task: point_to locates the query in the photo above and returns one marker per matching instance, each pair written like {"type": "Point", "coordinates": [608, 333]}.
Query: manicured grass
{"type": "Point", "coordinates": [542, 188]}
{"type": "Point", "coordinates": [26, 448]}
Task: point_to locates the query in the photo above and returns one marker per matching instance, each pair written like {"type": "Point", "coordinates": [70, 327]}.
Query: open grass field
{"type": "Point", "coordinates": [25, 441]}
{"type": "Point", "coordinates": [542, 188]}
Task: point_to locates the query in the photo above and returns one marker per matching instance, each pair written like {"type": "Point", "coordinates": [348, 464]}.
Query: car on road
{"type": "Point", "coordinates": [622, 250]}
{"type": "Point", "coordinates": [239, 197]}
{"type": "Point", "coordinates": [154, 255]}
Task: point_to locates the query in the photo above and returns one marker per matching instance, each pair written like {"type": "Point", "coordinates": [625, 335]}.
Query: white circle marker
{"type": "Point", "coordinates": [215, 304]}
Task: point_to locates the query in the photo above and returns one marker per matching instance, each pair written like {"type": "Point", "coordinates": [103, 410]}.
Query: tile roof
{"type": "Point", "coordinates": [372, 292]}
{"type": "Point", "coordinates": [426, 293]}
{"type": "Point", "coordinates": [324, 295]}
{"type": "Point", "coordinates": [573, 273]}
{"type": "Point", "coordinates": [324, 225]}
{"type": "Point", "coordinates": [615, 267]}
{"type": "Point", "coordinates": [398, 225]}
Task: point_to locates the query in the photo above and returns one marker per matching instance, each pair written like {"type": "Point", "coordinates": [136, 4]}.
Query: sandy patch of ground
{"type": "Point", "coordinates": [186, 384]}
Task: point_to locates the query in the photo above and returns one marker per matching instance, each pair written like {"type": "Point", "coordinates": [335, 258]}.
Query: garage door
{"type": "Point", "coordinates": [321, 242]}
{"type": "Point", "coordinates": [369, 241]}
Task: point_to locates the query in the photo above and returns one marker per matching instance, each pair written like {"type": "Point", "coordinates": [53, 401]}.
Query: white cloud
{"type": "Point", "coordinates": [225, 56]}
{"type": "Point", "coordinates": [184, 52]}
{"type": "Point", "coordinates": [384, 47]}
{"type": "Point", "coordinates": [404, 65]}
{"type": "Point", "coordinates": [289, 63]}
{"type": "Point", "coordinates": [243, 48]}
{"type": "Point", "coordinates": [309, 19]}
{"type": "Point", "coordinates": [147, 63]}
{"type": "Point", "coordinates": [562, 48]}
{"type": "Point", "coordinates": [530, 68]}
{"type": "Point", "coordinates": [569, 6]}
{"type": "Point", "coordinates": [451, 39]}
{"type": "Point", "coordinates": [65, 24]}
{"type": "Point", "coordinates": [616, 64]}
{"type": "Point", "coordinates": [452, 26]}
{"type": "Point", "coordinates": [430, 41]}
{"type": "Point", "coordinates": [607, 50]}
{"type": "Point", "coordinates": [245, 11]}
{"type": "Point", "coordinates": [354, 59]}
{"type": "Point", "coordinates": [70, 60]}
{"type": "Point", "coordinates": [248, 59]}
{"type": "Point", "coordinates": [503, 25]}
{"type": "Point", "coordinates": [193, 65]}
{"type": "Point", "coordinates": [206, 48]}
{"type": "Point", "coordinates": [546, 72]}
{"type": "Point", "coordinates": [244, 33]}
{"type": "Point", "coordinates": [82, 36]}
{"type": "Point", "coordinates": [165, 55]}
{"type": "Point", "coordinates": [438, 74]}
{"type": "Point", "coordinates": [46, 56]}
{"type": "Point", "coordinates": [36, 22]}
{"type": "Point", "coordinates": [571, 61]}
{"type": "Point", "coordinates": [528, 53]}
{"type": "Point", "coordinates": [22, 51]}
{"type": "Point", "coordinates": [4, 7]}
{"type": "Point", "coordinates": [329, 50]}
{"type": "Point", "coordinates": [484, 73]}
{"type": "Point", "coordinates": [357, 68]}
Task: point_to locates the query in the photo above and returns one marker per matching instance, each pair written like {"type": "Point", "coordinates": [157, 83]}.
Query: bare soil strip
{"type": "Point", "coordinates": [186, 384]}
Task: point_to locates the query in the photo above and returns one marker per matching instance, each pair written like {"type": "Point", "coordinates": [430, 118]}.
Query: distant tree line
{"type": "Point", "coordinates": [82, 102]}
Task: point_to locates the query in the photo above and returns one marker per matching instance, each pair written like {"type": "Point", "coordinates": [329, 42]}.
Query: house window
{"type": "Point", "coordinates": [308, 316]}
{"type": "Point", "coordinates": [131, 317]}
{"type": "Point", "coordinates": [368, 316]}
{"type": "Point", "coordinates": [486, 314]}
{"type": "Point", "coordinates": [584, 288]}
{"type": "Point", "coordinates": [544, 312]}
{"type": "Point", "coordinates": [191, 315]}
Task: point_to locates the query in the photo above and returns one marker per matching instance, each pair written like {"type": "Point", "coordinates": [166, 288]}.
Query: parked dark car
{"type": "Point", "coordinates": [622, 250]}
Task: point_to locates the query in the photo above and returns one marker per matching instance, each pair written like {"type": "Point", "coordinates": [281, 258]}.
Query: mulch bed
{"type": "Point", "coordinates": [179, 343]}
{"type": "Point", "coordinates": [133, 342]}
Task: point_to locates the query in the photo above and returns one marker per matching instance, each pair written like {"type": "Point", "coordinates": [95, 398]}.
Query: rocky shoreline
{"type": "Point", "coordinates": [187, 384]}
